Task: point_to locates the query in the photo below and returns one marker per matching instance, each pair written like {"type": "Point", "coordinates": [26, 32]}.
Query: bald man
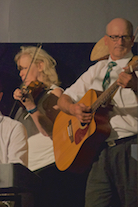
{"type": "Point", "coordinates": [112, 180]}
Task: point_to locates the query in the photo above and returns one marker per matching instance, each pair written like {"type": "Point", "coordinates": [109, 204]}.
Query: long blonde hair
{"type": "Point", "coordinates": [49, 72]}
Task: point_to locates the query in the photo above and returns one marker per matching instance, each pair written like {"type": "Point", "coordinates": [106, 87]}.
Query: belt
{"type": "Point", "coordinates": [120, 141]}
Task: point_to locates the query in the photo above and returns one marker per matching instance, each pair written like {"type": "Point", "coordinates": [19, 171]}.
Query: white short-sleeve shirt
{"type": "Point", "coordinates": [124, 117]}
{"type": "Point", "coordinates": [13, 141]}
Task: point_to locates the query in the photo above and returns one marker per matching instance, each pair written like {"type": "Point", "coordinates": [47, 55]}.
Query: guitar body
{"type": "Point", "coordinates": [76, 146]}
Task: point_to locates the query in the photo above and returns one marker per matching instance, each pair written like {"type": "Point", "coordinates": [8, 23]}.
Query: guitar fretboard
{"type": "Point", "coordinates": [107, 94]}
{"type": "Point", "coordinates": [104, 96]}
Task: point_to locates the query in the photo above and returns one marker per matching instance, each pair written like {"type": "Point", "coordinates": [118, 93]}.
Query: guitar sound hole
{"type": "Point", "coordinates": [83, 124]}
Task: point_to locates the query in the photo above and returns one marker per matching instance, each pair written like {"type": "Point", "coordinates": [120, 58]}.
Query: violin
{"type": "Point", "coordinates": [35, 88]}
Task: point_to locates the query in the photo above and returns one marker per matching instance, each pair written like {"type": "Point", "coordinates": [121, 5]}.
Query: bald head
{"type": "Point", "coordinates": [119, 23]}
{"type": "Point", "coordinates": [120, 47]}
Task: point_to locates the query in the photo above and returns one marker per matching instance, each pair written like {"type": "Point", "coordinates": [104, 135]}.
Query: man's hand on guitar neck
{"type": "Point", "coordinates": [126, 80]}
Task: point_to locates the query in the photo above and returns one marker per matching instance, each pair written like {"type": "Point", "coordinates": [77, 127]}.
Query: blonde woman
{"type": "Point", "coordinates": [37, 112]}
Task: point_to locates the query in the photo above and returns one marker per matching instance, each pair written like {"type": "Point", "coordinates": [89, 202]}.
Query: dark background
{"type": "Point", "coordinates": [72, 60]}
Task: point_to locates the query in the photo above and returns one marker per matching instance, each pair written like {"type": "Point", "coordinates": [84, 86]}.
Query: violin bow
{"type": "Point", "coordinates": [38, 47]}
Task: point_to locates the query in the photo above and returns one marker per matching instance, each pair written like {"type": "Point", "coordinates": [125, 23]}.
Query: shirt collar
{"type": "Point", "coordinates": [124, 61]}
{"type": "Point", "coordinates": [1, 116]}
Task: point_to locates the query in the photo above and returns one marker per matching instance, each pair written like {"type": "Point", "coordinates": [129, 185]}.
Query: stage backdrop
{"type": "Point", "coordinates": [61, 20]}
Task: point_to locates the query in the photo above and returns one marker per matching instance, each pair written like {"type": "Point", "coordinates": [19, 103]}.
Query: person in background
{"type": "Point", "coordinates": [13, 142]}
{"type": "Point", "coordinates": [37, 113]}
{"type": "Point", "coordinates": [13, 139]}
{"type": "Point", "coordinates": [112, 180]}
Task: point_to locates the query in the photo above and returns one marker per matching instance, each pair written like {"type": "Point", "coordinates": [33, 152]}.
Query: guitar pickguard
{"type": "Point", "coordinates": [80, 134]}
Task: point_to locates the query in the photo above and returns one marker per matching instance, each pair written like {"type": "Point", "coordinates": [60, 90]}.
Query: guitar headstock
{"type": "Point", "coordinates": [133, 65]}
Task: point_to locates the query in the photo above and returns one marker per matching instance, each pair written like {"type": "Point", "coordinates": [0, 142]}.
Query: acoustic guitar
{"type": "Point", "coordinates": [75, 144]}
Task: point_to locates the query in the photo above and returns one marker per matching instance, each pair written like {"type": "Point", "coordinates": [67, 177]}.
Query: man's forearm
{"type": "Point", "coordinates": [64, 103]}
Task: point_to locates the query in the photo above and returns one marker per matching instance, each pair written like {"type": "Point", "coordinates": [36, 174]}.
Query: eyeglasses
{"type": "Point", "coordinates": [115, 38]}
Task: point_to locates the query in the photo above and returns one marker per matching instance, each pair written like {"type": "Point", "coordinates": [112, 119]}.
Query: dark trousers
{"type": "Point", "coordinates": [113, 178]}
{"type": "Point", "coordinates": [61, 189]}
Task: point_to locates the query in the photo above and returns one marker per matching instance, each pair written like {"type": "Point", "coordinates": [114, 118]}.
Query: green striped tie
{"type": "Point", "coordinates": [106, 80]}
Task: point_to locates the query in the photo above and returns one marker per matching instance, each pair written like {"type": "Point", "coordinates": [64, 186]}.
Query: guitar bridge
{"type": "Point", "coordinates": [70, 131]}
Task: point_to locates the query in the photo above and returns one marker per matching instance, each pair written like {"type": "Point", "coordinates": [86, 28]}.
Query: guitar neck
{"type": "Point", "coordinates": [133, 66]}
{"type": "Point", "coordinates": [104, 96]}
